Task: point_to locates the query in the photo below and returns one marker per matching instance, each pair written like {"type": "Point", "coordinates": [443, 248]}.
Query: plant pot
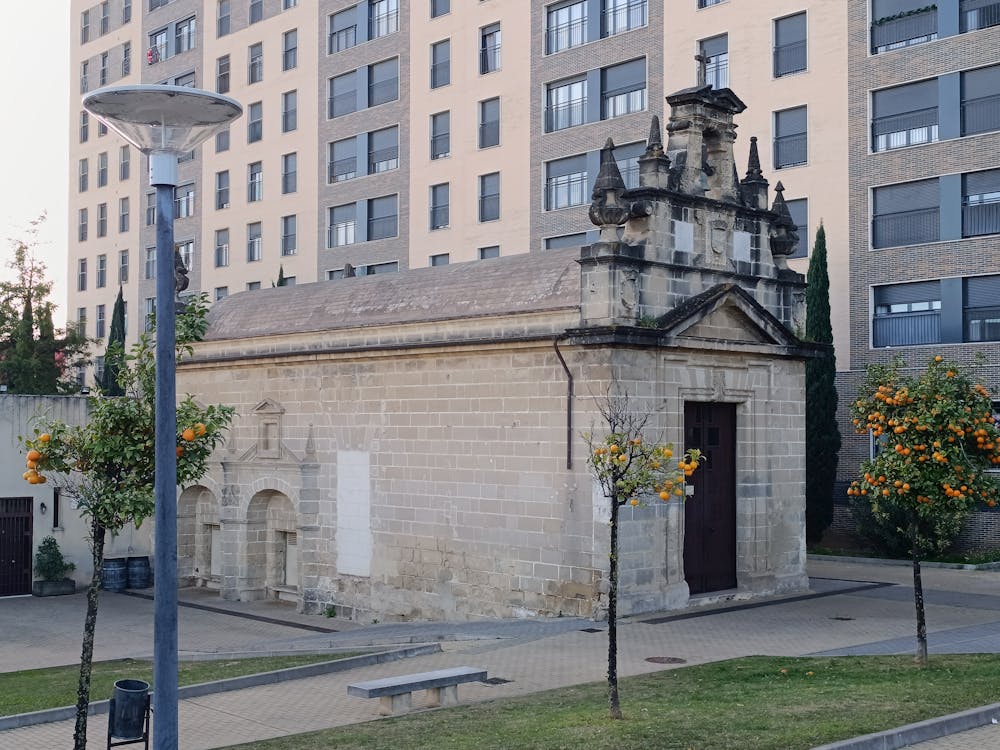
{"type": "Point", "coordinates": [53, 588]}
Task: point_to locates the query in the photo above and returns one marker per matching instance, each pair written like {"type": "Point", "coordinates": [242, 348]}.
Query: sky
{"type": "Point", "coordinates": [34, 133]}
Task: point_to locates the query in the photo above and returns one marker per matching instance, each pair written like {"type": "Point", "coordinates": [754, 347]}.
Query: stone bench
{"type": "Point", "coordinates": [395, 693]}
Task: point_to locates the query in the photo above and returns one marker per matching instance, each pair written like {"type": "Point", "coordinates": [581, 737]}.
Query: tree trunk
{"type": "Point", "coordinates": [615, 706]}
{"type": "Point", "coordinates": [89, 625]}
{"type": "Point", "coordinates": [920, 657]}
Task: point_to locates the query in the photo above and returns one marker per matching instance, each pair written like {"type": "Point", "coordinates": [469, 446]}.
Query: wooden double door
{"type": "Point", "coordinates": [15, 545]}
{"type": "Point", "coordinates": [710, 514]}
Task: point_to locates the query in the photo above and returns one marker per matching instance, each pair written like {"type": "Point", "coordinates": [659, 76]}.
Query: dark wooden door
{"type": "Point", "coordinates": [710, 514]}
{"type": "Point", "coordinates": [15, 545]}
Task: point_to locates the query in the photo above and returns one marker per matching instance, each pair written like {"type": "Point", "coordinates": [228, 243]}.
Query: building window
{"type": "Point", "coordinates": [85, 27]}
{"type": "Point", "coordinates": [184, 201]}
{"type": "Point", "coordinates": [104, 69]}
{"type": "Point", "coordinates": [981, 309]}
{"type": "Point", "coordinates": [84, 126]}
{"type": "Point", "coordinates": [81, 322]}
{"type": "Point", "coordinates": [898, 24]}
{"type": "Point", "coordinates": [289, 173]}
{"type": "Point", "coordinates": [341, 225]}
{"type": "Point", "coordinates": [102, 272]}
{"type": "Point", "coordinates": [105, 17]}
{"type": "Point", "coordinates": [565, 26]}
{"type": "Point", "coordinates": [343, 95]}
{"type": "Point", "coordinates": [123, 163]}
{"type": "Point", "coordinates": [126, 11]}
{"type": "Point", "coordinates": [343, 30]}
{"type": "Point", "coordinates": [288, 4]}
{"type": "Point", "coordinates": [221, 292]}
{"type": "Point", "coordinates": [383, 217]}
{"type": "Point", "coordinates": [566, 182]}
{"type": "Point", "coordinates": [981, 203]}
{"type": "Point", "coordinates": [708, 3]}
{"type": "Point", "coordinates": [222, 141]}
{"type": "Point", "coordinates": [383, 17]}
{"type": "Point", "coordinates": [618, 16]}
{"type": "Point", "coordinates": [383, 82]}
{"type": "Point", "coordinates": [185, 250]}
{"type": "Point", "coordinates": [187, 80]}
{"type": "Point", "coordinates": [289, 240]}
{"type": "Point", "coordinates": [222, 189]}
{"type": "Point", "coordinates": [123, 214]}
{"type": "Point", "coordinates": [255, 182]}
{"type": "Point", "coordinates": [289, 111]}
{"type": "Point", "coordinates": [489, 122]}
{"type": "Point", "coordinates": [254, 242]}
{"type": "Point", "coordinates": [439, 206]}
{"type": "Point", "coordinates": [221, 248]}
{"type": "Point", "coordinates": [565, 104]}
{"type": "Point", "coordinates": [441, 259]}
{"type": "Point", "coordinates": [255, 122]}
{"type": "Point", "coordinates": [489, 196]}
{"type": "Point", "coordinates": [81, 224]}
{"type": "Point", "coordinates": [158, 49]}
{"type": "Point", "coordinates": [440, 135]}
{"type": "Point", "coordinates": [981, 97]}
{"type": "Point", "coordinates": [440, 7]}
{"type": "Point", "coordinates": [799, 209]}
{"type": "Point", "coordinates": [150, 266]}
{"type": "Point", "coordinates": [906, 214]}
{"type": "Point", "coordinates": [256, 10]}
{"type": "Point", "coordinates": [150, 314]}
{"type": "Point", "coordinates": [627, 158]}
{"type": "Point", "coordinates": [253, 286]}
{"type": "Point", "coordinates": [383, 150]}
{"type": "Point", "coordinates": [185, 35]}
{"type": "Point", "coordinates": [81, 275]}
{"type": "Point", "coordinates": [566, 240]}
{"type": "Point", "coordinates": [99, 329]}
{"type": "Point", "coordinates": [623, 88]}
{"type": "Point", "coordinates": [491, 251]}
{"type": "Point", "coordinates": [289, 49]}
{"type": "Point", "coordinates": [907, 314]}
{"type": "Point", "coordinates": [790, 137]}
{"type": "Point", "coordinates": [343, 160]}
{"type": "Point", "coordinates": [978, 14]}
{"type": "Point", "coordinates": [102, 169]}
{"type": "Point", "coordinates": [223, 25]}
{"type": "Point", "coordinates": [789, 45]}
{"type": "Point", "coordinates": [489, 48]}
{"type": "Point", "coordinates": [905, 115]}
{"type": "Point", "coordinates": [126, 59]}
{"type": "Point", "coordinates": [123, 266]}
{"type": "Point", "coordinates": [222, 74]}
{"type": "Point", "coordinates": [102, 219]}
{"type": "Point", "coordinates": [150, 209]}
{"type": "Point", "coordinates": [441, 64]}
{"type": "Point", "coordinates": [83, 76]}
{"type": "Point", "coordinates": [715, 54]}
{"type": "Point", "coordinates": [255, 63]}
{"type": "Point", "coordinates": [84, 175]}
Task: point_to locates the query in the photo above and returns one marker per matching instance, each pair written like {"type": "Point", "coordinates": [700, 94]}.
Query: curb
{"type": "Point", "coordinates": [921, 731]}
{"type": "Point", "coordinates": [16, 721]}
{"type": "Point", "coordinates": [908, 563]}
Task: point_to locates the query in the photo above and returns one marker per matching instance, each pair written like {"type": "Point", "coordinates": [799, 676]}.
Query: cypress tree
{"type": "Point", "coordinates": [21, 365]}
{"type": "Point", "coordinates": [47, 350]}
{"type": "Point", "coordinates": [115, 351]}
{"type": "Point", "coordinates": [822, 433]}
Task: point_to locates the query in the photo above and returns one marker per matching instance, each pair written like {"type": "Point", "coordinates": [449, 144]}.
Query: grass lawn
{"type": "Point", "coordinates": [742, 704]}
{"type": "Point", "coordinates": [52, 687]}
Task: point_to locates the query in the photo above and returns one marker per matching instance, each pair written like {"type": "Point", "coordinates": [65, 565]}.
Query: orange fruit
{"type": "Point", "coordinates": [188, 434]}
{"type": "Point", "coordinates": [44, 437]}
{"type": "Point", "coordinates": [199, 429]}
{"type": "Point", "coordinates": [180, 451]}
{"type": "Point", "coordinates": [34, 455]}
{"type": "Point", "coordinates": [32, 464]}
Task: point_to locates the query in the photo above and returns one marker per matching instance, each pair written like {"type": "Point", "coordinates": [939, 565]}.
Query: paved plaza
{"type": "Point", "coordinates": [856, 608]}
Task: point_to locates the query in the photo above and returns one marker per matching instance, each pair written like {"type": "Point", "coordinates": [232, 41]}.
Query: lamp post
{"type": "Point", "coordinates": [164, 122]}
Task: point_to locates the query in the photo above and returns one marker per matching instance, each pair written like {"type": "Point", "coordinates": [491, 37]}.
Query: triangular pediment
{"type": "Point", "coordinates": [267, 406]}
{"type": "Point", "coordinates": [726, 313]}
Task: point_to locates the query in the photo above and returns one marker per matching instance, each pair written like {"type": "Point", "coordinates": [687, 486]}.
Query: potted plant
{"type": "Point", "coordinates": [52, 567]}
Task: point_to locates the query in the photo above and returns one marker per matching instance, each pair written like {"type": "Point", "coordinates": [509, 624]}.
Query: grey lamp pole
{"type": "Point", "coordinates": [163, 122]}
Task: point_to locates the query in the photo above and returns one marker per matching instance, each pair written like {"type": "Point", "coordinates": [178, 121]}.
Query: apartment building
{"type": "Point", "coordinates": [924, 83]}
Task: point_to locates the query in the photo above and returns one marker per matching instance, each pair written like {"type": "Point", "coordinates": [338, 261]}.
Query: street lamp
{"type": "Point", "coordinates": [164, 122]}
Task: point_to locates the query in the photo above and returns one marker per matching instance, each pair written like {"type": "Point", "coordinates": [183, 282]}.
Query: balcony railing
{"type": "Point", "coordinates": [382, 227]}
{"type": "Point", "coordinates": [981, 115]}
{"type": "Point", "coordinates": [562, 192]}
{"type": "Point", "coordinates": [489, 207]}
{"type": "Point", "coordinates": [717, 72]}
{"type": "Point", "coordinates": [384, 23]}
{"type": "Point", "coordinates": [980, 218]}
{"type": "Point", "coordinates": [906, 228]}
{"type": "Point", "coordinates": [289, 120]}
{"type": "Point", "coordinates": [343, 169]}
{"type": "Point", "coordinates": [340, 234]}
{"type": "Point", "coordinates": [790, 150]}
{"type": "Point", "coordinates": [440, 74]}
{"type": "Point", "coordinates": [978, 14]}
{"type": "Point", "coordinates": [253, 249]}
{"type": "Point", "coordinates": [440, 145]}
{"type": "Point", "coordinates": [904, 31]}
{"type": "Point", "coordinates": [565, 114]}
{"type": "Point", "coordinates": [789, 58]}
{"type": "Point", "coordinates": [342, 104]}
{"type": "Point", "coordinates": [907, 329]}
{"type": "Point", "coordinates": [489, 58]}
{"type": "Point", "coordinates": [907, 129]}
{"type": "Point", "coordinates": [489, 133]}
{"type": "Point", "coordinates": [624, 17]}
{"type": "Point", "coordinates": [383, 91]}
{"type": "Point", "coordinates": [383, 159]}
{"type": "Point", "coordinates": [565, 35]}
{"type": "Point", "coordinates": [982, 323]}
{"type": "Point", "coordinates": [439, 217]}
{"type": "Point", "coordinates": [343, 39]}
{"type": "Point", "coordinates": [616, 105]}
{"type": "Point", "coordinates": [289, 244]}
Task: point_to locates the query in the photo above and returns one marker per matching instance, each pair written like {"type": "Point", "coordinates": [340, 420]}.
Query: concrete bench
{"type": "Point", "coordinates": [395, 693]}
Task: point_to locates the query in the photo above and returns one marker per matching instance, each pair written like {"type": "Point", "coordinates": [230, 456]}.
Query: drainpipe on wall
{"type": "Point", "coordinates": [569, 402]}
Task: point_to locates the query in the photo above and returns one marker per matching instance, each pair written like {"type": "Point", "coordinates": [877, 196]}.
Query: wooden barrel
{"type": "Point", "coordinates": [139, 575]}
{"type": "Point", "coordinates": [113, 574]}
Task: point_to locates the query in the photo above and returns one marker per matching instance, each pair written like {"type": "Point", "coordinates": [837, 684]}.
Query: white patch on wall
{"type": "Point", "coordinates": [215, 564]}
{"type": "Point", "coordinates": [602, 505]}
{"type": "Point", "coordinates": [354, 524]}
{"type": "Point", "coordinates": [684, 236]}
{"type": "Point", "coordinates": [741, 246]}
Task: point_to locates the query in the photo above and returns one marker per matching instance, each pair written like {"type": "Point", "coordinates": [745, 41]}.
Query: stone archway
{"type": "Point", "coordinates": [272, 567]}
{"type": "Point", "coordinates": [199, 538]}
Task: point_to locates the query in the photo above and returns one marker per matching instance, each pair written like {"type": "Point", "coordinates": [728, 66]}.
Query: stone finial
{"type": "Point", "coordinates": [753, 163]}
{"type": "Point", "coordinates": [349, 272]}
{"type": "Point", "coordinates": [783, 235]}
{"type": "Point", "coordinates": [654, 144]}
{"type": "Point", "coordinates": [753, 187]}
{"type": "Point", "coordinates": [606, 207]}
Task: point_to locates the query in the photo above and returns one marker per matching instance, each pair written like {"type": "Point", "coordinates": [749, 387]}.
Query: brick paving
{"type": "Point", "coordinates": [533, 655]}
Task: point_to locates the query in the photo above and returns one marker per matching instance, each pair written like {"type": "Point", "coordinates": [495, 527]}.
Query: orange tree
{"type": "Point", "coordinates": [628, 470]}
{"type": "Point", "coordinates": [107, 464]}
{"type": "Point", "coordinates": [936, 438]}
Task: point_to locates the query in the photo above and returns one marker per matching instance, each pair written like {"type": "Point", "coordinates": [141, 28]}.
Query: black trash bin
{"type": "Point", "coordinates": [128, 714]}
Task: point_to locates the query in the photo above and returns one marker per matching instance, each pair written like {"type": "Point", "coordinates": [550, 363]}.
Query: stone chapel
{"type": "Point", "coordinates": [410, 445]}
